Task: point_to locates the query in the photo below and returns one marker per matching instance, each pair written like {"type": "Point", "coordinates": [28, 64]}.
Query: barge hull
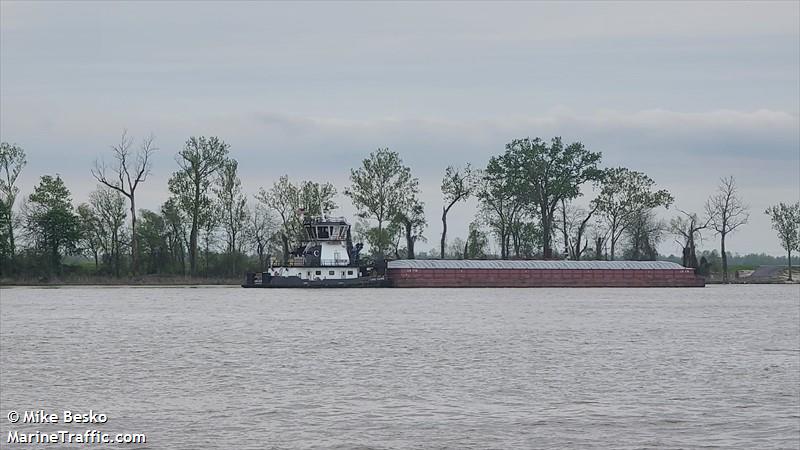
{"type": "Point", "coordinates": [475, 278]}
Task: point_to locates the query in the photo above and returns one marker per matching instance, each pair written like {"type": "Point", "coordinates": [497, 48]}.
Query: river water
{"type": "Point", "coordinates": [441, 368]}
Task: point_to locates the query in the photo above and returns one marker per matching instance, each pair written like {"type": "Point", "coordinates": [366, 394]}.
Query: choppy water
{"type": "Point", "coordinates": [512, 368]}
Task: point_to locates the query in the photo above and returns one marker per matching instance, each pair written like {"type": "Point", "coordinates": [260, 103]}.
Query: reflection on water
{"type": "Point", "coordinates": [535, 368]}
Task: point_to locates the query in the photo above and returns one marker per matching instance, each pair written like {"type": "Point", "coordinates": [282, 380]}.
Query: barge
{"type": "Point", "coordinates": [494, 273]}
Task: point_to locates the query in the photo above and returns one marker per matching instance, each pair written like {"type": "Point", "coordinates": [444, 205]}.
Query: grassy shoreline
{"type": "Point", "coordinates": [122, 281]}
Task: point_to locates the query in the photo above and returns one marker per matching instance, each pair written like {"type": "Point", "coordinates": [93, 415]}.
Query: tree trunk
{"type": "Point", "coordinates": [11, 239]}
{"type": "Point", "coordinates": [564, 228]}
{"type": "Point", "coordinates": [613, 244]}
{"type": "Point", "coordinates": [57, 261]}
{"type": "Point", "coordinates": [598, 249]}
{"type": "Point", "coordinates": [409, 241]}
{"type": "Point", "coordinates": [134, 239]}
{"type": "Point", "coordinates": [193, 249]}
{"type": "Point", "coordinates": [195, 224]}
{"type": "Point", "coordinates": [547, 239]}
{"type": "Point", "coordinates": [380, 237]}
{"type": "Point", "coordinates": [503, 245]}
{"type": "Point", "coordinates": [233, 253]}
{"type": "Point", "coordinates": [724, 259]}
{"type": "Point", "coordinates": [444, 232]}
{"type": "Point", "coordinates": [466, 249]}
{"type": "Point", "coordinates": [790, 265]}
{"type": "Point", "coordinates": [285, 241]}
{"type": "Point", "coordinates": [115, 252]}
{"type": "Point", "coordinates": [547, 232]}
{"type": "Point", "coordinates": [207, 251]}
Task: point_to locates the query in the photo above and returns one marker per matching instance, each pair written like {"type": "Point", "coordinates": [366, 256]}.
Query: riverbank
{"type": "Point", "coordinates": [149, 280]}
{"type": "Point", "coordinates": [762, 275]}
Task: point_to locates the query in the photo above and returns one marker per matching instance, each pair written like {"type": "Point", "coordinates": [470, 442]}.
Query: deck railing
{"type": "Point", "coordinates": [299, 262]}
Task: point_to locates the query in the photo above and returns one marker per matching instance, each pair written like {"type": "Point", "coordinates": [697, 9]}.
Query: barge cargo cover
{"type": "Point", "coordinates": [505, 273]}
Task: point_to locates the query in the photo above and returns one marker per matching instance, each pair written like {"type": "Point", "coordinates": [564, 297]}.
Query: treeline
{"type": "Point", "coordinates": [528, 199]}
{"type": "Point", "coordinates": [735, 261]}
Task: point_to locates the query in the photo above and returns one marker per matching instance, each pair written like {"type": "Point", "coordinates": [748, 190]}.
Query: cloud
{"type": "Point", "coordinates": [686, 92]}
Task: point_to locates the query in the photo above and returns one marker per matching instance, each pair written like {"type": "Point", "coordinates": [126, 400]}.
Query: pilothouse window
{"type": "Point", "coordinates": [322, 233]}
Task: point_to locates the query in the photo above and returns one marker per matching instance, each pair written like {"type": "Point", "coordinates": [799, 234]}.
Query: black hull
{"type": "Point", "coordinates": [295, 282]}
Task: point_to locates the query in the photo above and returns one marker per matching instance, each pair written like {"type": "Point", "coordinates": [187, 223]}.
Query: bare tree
{"type": "Point", "coordinates": [124, 176]}
{"type": "Point", "coordinates": [259, 231]}
{"type": "Point", "coordinates": [688, 228]}
{"type": "Point", "coordinates": [599, 233]}
{"type": "Point", "coordinates": [574, 223]}
{"type": "Point", "coordinates": [457, 185]}
{"type": "Point", "coordinates": [108, 207]}
{"type": "Point", "coordinates": [644, 233]}
{"type": "Point", "coordinates": [726, 212]}
{"type": "Point", "coordinates": [233, 209]}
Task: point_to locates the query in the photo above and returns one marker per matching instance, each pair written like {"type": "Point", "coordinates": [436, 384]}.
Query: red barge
{"type": "Point", "coordinates": [493, 273]}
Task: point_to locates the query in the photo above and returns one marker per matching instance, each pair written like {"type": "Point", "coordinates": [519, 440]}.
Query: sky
{"type": "Point", "coordinates": [685, 92]}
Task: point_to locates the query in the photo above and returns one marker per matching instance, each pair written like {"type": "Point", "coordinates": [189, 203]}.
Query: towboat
{"type": "Point", "coordinates": [325, 258]}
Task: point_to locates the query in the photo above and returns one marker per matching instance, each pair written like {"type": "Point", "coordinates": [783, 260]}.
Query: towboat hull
{"type": "Point", "coordinates": [296, 282]}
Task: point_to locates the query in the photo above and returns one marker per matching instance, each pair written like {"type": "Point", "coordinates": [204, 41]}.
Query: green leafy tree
{"type": "Point", "coordinates": [547, 173]}
{"type": "Point", "coordinates": [12, 161]}
{"type": "Point", "coordinates": [316, 199]}
{"type": "Point", "coordinates": [526, 237]}
{"type": "Point", "coordinates": [786, 221]}
{"type": "Point", "coordinates": [477, 242]}
{"type": "Point", "coordinates": [152, 235]}
{"type": "Point", "coordinates": [211, 221]}
{"type": "Point", "coordinates": [726, 212]}
{"type": "Point", "coordinates": [624, 195]}
{"type": "Point", "coordinates": [90, 233]}
{"type": "Point", "coordinates": [201, 158]}
{"type": "Point", "coordinates": [51, 222]}
{"type": "Point", "coordinates": [412, 220]}
{"type": "Point", "coordinates": [458, 185]}
{"type": "Point", "coordinates": [381, 188]}
{"type": "Point", "coordinates": [176, 233]}
{"type": "Point", "coordinates": [500, 202]}
{"type": "Point", "coordinates": [283, 198]}
{"type": "Point", "coordinates": [455, 250]}
{"type": "Point", "coordinates": [389, 236]}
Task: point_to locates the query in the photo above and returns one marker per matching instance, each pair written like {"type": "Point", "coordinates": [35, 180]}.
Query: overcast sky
{"type": "Point", "coordinates": [686, 92]}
